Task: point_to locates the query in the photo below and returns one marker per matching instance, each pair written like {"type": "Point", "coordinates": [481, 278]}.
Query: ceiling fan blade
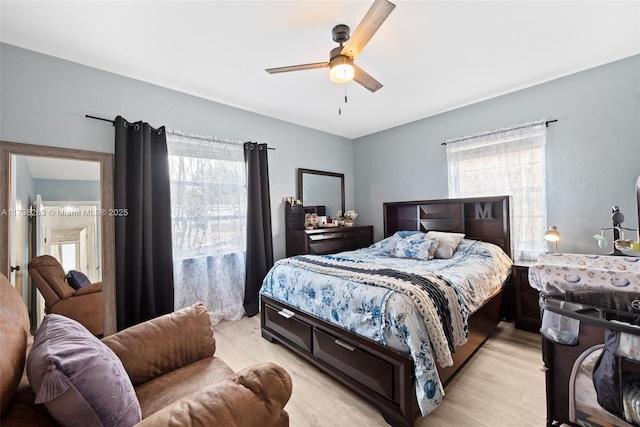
{"type": "Point", "coordinates": [365, 79]}
{"type": "Point", "coordinates": [373, 19]}
{"type": "Point", "coordinates": [297, 67]}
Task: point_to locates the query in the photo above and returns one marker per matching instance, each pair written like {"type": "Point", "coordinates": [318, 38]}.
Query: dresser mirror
{"type": "Point", "coordinates": [76, 188]}
{"type": "Point", "coordinates": [320, 188]}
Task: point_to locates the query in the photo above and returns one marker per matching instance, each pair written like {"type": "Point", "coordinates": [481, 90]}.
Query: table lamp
{"type": "Point", "coordinates": [553, 235]}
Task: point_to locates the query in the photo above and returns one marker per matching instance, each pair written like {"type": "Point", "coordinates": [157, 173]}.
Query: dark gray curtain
{"type": "Point", "coordinates": [259, 238]}
{"type": "Point", "coordinates": [144, 261]}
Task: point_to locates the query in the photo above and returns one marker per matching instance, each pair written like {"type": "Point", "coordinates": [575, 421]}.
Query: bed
{"type": "Point", "coordinates": [373, 338]}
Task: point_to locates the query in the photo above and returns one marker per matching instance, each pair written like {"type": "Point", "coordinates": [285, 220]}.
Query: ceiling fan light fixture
{"type": "Point", "coordinates": [341, 69]}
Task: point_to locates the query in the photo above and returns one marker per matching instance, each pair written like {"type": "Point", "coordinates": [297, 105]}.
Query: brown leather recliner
{"type": "Point", "coordinates": [171, 362]}
{"type": "Point", "coordinates": [83, 305]}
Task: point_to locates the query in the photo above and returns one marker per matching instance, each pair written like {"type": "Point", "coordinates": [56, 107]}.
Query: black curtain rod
{"type": "Point", "coordinates": [113, 122]}
{"type": "Point", "coordinates": [546, 124]}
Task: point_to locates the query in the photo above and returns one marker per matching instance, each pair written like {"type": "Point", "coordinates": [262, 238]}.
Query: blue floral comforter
{"type": "Point", "coordinates": [476, 270]}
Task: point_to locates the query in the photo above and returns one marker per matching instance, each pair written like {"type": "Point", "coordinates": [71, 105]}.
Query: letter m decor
{"type": "Point", "coordinates": [484, 213]}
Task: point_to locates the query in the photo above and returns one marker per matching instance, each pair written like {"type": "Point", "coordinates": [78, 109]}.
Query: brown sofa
{"type": "Point", "coordinates": [83, 305]}
{"type": "Point", "coordinates": [171, 363]}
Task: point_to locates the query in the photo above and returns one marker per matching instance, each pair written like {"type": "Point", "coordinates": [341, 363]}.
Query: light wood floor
{"type": "Point", "coordinates": [502, 385]}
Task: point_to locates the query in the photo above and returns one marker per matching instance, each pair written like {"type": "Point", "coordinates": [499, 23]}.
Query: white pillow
{"type": "Point", "coordinates": [447, 242]}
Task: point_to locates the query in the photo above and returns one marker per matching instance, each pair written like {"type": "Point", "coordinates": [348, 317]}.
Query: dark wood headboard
{"type": "Point", "coordinates": [480, 218]}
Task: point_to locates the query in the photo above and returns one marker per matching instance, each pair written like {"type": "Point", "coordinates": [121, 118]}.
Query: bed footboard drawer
{"type": "Point", "coordinates": [284, 323]}
{"type": "Point", "coordinates": [369, 370]}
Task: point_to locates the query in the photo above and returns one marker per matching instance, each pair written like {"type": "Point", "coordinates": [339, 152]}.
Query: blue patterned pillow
{"type": "Point", "coordinates": [423, 249]}
{"type": "Point", "coordinates": [387, 246]}
{"type": "Point", "coordinates": [384, 242]}
{"type": "Point", "coordinates": [409, 233]}
{"type": "Point", "coordinates": [390, 246]}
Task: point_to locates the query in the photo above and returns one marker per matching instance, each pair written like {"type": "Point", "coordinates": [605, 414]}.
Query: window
{"type": "Point", "coordinates": [511, 162]}
{"type": "Point", "coordinates": [68, 256]}
{"type": "Point", "coordinates": [208, 195]}
{"type": "Point", "coordinates": [208, 219]}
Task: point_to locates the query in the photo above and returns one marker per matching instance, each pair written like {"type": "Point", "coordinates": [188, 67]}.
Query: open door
{"type": "Point", "coordinates": [40, 236]}
{"type": "Point", "coordinates": [37, 298]}
{"type": "Point", "coordinates": [19, 233]}
{"type": "Point", "coordinates": [13, 250]}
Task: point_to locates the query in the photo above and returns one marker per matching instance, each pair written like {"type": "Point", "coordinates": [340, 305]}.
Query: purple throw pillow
{"type": "Point", "coordinates": [79, 379]}
{"type": "Point", "coordinates": [77, 279]}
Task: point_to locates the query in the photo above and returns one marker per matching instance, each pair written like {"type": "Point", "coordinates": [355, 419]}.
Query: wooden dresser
{"type": "Point", "coordinates": [321, 240]}
{"type": "Point", "coordinates": [328, 240]}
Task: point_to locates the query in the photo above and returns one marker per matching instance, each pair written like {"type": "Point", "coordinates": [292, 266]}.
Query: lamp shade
{"type": "Point", "coordinates": [552, 234]}
{"type": "Point", "coordinates": [342, 70]}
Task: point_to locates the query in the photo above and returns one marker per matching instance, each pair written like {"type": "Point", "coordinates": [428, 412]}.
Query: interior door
{"type": "Point", "coordinates": [19, 231]}
{"type": "Point", "coordinates": [13, 250]}
{"type": "Point", "coordinates": [83, 263]}
{"type": "Point", "coordinates": [39, 250]}
{"type": "Point", "coordinates": [40, 235]}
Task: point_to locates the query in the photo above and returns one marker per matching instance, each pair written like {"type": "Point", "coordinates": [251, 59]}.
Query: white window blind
{"type": "Point", "coordinates": [509, 161]}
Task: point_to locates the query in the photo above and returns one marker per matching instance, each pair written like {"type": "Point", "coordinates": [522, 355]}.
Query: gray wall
{"type": "Point", "coordinates": [44, 100]}
{"type": "Point", "coordinates": [67, 190]}
{"type": "Point", "coordinates": [593, 151]}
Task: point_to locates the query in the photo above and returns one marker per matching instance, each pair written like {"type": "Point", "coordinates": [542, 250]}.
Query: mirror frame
{"type": "Point", "coordinates": [7, 149]}
{"type": "Point", "coordinates": [301, 173]}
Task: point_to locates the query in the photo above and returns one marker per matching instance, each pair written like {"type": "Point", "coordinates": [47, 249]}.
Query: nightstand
{"type": "Point", "coordinates": [527, 316]}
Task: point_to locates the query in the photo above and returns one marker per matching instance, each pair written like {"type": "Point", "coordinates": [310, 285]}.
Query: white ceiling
{"type": "Point", "coordinates": [431, 56]}
{"type": "Point", "coordinates": [70, 221]}
{"type": "Point", "coordinates": [54, 168]}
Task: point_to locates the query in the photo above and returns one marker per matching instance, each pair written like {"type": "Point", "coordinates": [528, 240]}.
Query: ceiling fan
{"type": "Point", "coordinates": [342, 68]}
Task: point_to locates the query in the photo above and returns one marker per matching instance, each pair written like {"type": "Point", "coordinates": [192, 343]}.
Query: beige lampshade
{"type": "Point", "coordinates": [552, 234]}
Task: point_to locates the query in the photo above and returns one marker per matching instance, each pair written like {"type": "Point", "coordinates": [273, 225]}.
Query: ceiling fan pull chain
{"type": "Point", "coordinates": [345, 95]}
{"type": "Point", "coordinates": [345, 91]}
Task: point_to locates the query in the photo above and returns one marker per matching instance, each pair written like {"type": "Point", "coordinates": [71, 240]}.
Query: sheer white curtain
{"type": "Point", "coordinates": [509, 161]}
{"type": "Point", "coordinates": [208, 204]}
